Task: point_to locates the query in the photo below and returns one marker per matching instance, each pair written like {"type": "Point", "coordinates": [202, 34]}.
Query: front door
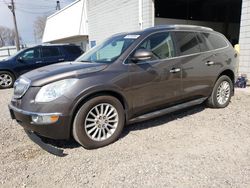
{"type": "Point", "coordinates": [28, 60]}
{"type": "Point", "coordinates": [155, 83]}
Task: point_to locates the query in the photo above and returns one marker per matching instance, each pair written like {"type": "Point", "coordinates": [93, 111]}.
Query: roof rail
{"type": "Point", "coordinates": [179, 26]}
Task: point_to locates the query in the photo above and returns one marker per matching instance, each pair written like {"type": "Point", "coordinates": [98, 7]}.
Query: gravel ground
{"type": "Point", "coordinates": [198, 147]}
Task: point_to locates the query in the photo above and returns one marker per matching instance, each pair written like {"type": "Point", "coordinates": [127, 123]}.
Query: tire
{"type": "Point", "coordinates": [6, 80]}
{"type": "Point", "coordinates": [84, 131]}
{"type": "Point", "coordinates": [214, 100]}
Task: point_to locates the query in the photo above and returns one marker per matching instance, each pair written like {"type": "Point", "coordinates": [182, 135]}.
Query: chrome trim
{"type": "Point", "coordinates": [32, 113]}
{"type": "Point", "coordinates": [159, 60]}
{"type": "Point", "coordinates": [209, 63]}
{"type": "Point", "coordinates": [167, 110]}
{"type": "Point", "coordinates": [175, 70]}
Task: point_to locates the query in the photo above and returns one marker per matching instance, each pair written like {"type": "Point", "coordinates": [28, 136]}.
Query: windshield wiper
{"type": "Point", "coordinates": [86, 61]}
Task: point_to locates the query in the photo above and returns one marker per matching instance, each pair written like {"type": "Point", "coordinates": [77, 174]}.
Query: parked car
{"type": "Point", "coordinates": [129, 78]}
{"type": "Point", "coordinates": [35, 57]}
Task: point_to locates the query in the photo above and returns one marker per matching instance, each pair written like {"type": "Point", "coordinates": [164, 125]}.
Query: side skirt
{"type": "Point", "coordinates": [167, 110]}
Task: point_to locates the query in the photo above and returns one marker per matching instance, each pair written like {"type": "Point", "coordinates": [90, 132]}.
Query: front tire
{"type": "Point", "coordinates": [99, 122]}
{"type": "Point", "coordinates": [222, 93]}
{"type": "Point", "coordinates": [6, 79]}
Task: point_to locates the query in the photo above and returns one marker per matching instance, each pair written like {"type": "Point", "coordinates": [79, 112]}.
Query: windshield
{"type": "Point", "coordinates": [108, 51]}
{"type": "Point", "coordinates": [13, 55]}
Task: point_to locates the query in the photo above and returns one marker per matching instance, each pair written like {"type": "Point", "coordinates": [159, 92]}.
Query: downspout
{"type": "Point", "coordinates": [141, 14]}
{"type": "Point", "coordinates": [86, 17]}
{"type": "Point", "coordinates": [80, 27]}
{"type": "Point", "coordinates": [84, 21]}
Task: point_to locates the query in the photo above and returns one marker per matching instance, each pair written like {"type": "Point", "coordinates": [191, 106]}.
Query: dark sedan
{"type": "Point", "coordinates": [32, 58]}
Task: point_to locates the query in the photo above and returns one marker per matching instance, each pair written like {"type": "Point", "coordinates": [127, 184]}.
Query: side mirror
{"type": "Point", "coordinates": [20, 59]}
{"type": "Point", "coordinates": [142, 55]}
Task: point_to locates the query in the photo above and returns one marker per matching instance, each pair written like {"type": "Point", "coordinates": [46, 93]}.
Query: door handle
{"type": "Point", "coordinates": [175, 70]}
{"type": "Point", "coordinates": [209, 63]}
{"type": "Point", "coordinates": [60, 59]}
{"type": "Point", "coordinates": [38, 62]}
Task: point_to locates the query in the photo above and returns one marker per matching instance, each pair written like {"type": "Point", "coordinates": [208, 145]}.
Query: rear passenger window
{"type": "Point", "coordinates": [187, 43]}
{"type": "Point", "coordinates": [203, 45]}
{"type": "Point", "coordinates": [50, 52]}
{"type": "Point", "coordinates": [161, 45]}
{"type": "Point", "coordinates": [214, 41]}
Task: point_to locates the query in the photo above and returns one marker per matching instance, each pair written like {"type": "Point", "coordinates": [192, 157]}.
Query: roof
{"type": "Point", "coordinates": [61, 44]}
{"type": "Point", "coordinates": [166, 27]}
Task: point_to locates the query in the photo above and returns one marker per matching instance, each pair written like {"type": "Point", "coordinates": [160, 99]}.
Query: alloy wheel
{"type": "Point", "coordinates": [101, 122]}
{"type": "Point", "coordinates": [5, 80]}
{"type": "Point", "coordinates": [223, 93]}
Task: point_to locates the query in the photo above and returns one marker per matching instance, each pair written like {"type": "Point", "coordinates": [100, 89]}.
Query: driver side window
{"type": "Point", "coordinates": [30, 54]}
{"type": "Point", "coordinates": [160, 44]}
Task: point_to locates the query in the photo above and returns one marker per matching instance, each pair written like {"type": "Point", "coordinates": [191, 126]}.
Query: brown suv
{"type": "Point", "coordinates": [128, 78]}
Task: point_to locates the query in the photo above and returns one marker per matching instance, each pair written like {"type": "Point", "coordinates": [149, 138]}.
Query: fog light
{"type": "Point", "coordinates": [44, 119]}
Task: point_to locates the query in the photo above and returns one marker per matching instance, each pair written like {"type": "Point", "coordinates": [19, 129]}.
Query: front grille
{"type": "Point", "coordinates": [20, 87]}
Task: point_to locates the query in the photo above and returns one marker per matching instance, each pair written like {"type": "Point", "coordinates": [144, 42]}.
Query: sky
{"type": "Point", "coordinates": [26, 13]}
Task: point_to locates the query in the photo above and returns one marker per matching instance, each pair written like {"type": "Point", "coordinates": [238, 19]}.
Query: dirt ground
{"type": "Point", "coordinates": [198, 147]}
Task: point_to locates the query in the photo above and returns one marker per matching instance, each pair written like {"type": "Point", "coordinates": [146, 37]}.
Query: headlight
{"type": "Point", "coordinates": [54, 90]}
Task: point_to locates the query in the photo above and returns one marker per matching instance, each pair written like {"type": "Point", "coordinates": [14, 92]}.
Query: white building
{"type": "Point", "coordinates": [88, 22]}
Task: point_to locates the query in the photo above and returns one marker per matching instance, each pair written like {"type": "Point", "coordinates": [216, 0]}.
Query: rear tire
{"type": "Point", "coordinates": [99, 122]}
{"type": "Point", "coordinates": [6, 79]}
{"type": "Point", "coordinates": [222, 93]}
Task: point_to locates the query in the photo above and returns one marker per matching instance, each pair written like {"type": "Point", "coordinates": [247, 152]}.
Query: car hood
{"type": "Point", "coordinates": [58, 71]}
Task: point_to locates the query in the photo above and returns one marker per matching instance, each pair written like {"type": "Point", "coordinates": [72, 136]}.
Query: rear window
{"type": "Point", "coordinates": [73, 50]}
{"type": "Point", "coordinates": [214, 41]}
{"type": "Point", "coordinates": [187, 43]}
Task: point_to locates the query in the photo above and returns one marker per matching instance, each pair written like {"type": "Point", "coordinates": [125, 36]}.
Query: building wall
{"type": "Point", "coordinates": [148, 13]}
{"type": "Point", "coordinates": [244, 66]}
{"type": "Point", "coordinates": [115, 16]}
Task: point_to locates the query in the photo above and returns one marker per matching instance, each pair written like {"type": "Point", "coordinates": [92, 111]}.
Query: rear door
{"type": "Point", "coordinates": [199, 67]}
{"type": "Point", "coordinates": [155, 83]}
{"type": "Point", "coordinates": [51, 55]}
{"type": "Point", "coordinates": [213, 57]}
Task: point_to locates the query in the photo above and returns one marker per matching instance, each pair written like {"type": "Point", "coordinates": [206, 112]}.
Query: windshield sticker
{"type": "Point", "coordinates": [131, 36]}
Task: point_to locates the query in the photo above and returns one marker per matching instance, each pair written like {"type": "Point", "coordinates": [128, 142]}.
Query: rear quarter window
{"type": "Point", "coordinates": [214, 41]}
{"type": "Point", "coordinates": [74, 50]}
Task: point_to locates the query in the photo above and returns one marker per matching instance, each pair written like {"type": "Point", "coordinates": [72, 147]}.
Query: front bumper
{"type": "Point", "coordinates": [47, 147]}
{"type": "Point", "coordinates": [57, 130]}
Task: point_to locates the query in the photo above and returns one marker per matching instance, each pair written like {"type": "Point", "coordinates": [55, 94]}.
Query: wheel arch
{"type": "Point", "coordinates": [228, 73]}
{"type": "Point", "coordinates": [85, 98]}
{"type": "Point", "coordinates": [10, 71]}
